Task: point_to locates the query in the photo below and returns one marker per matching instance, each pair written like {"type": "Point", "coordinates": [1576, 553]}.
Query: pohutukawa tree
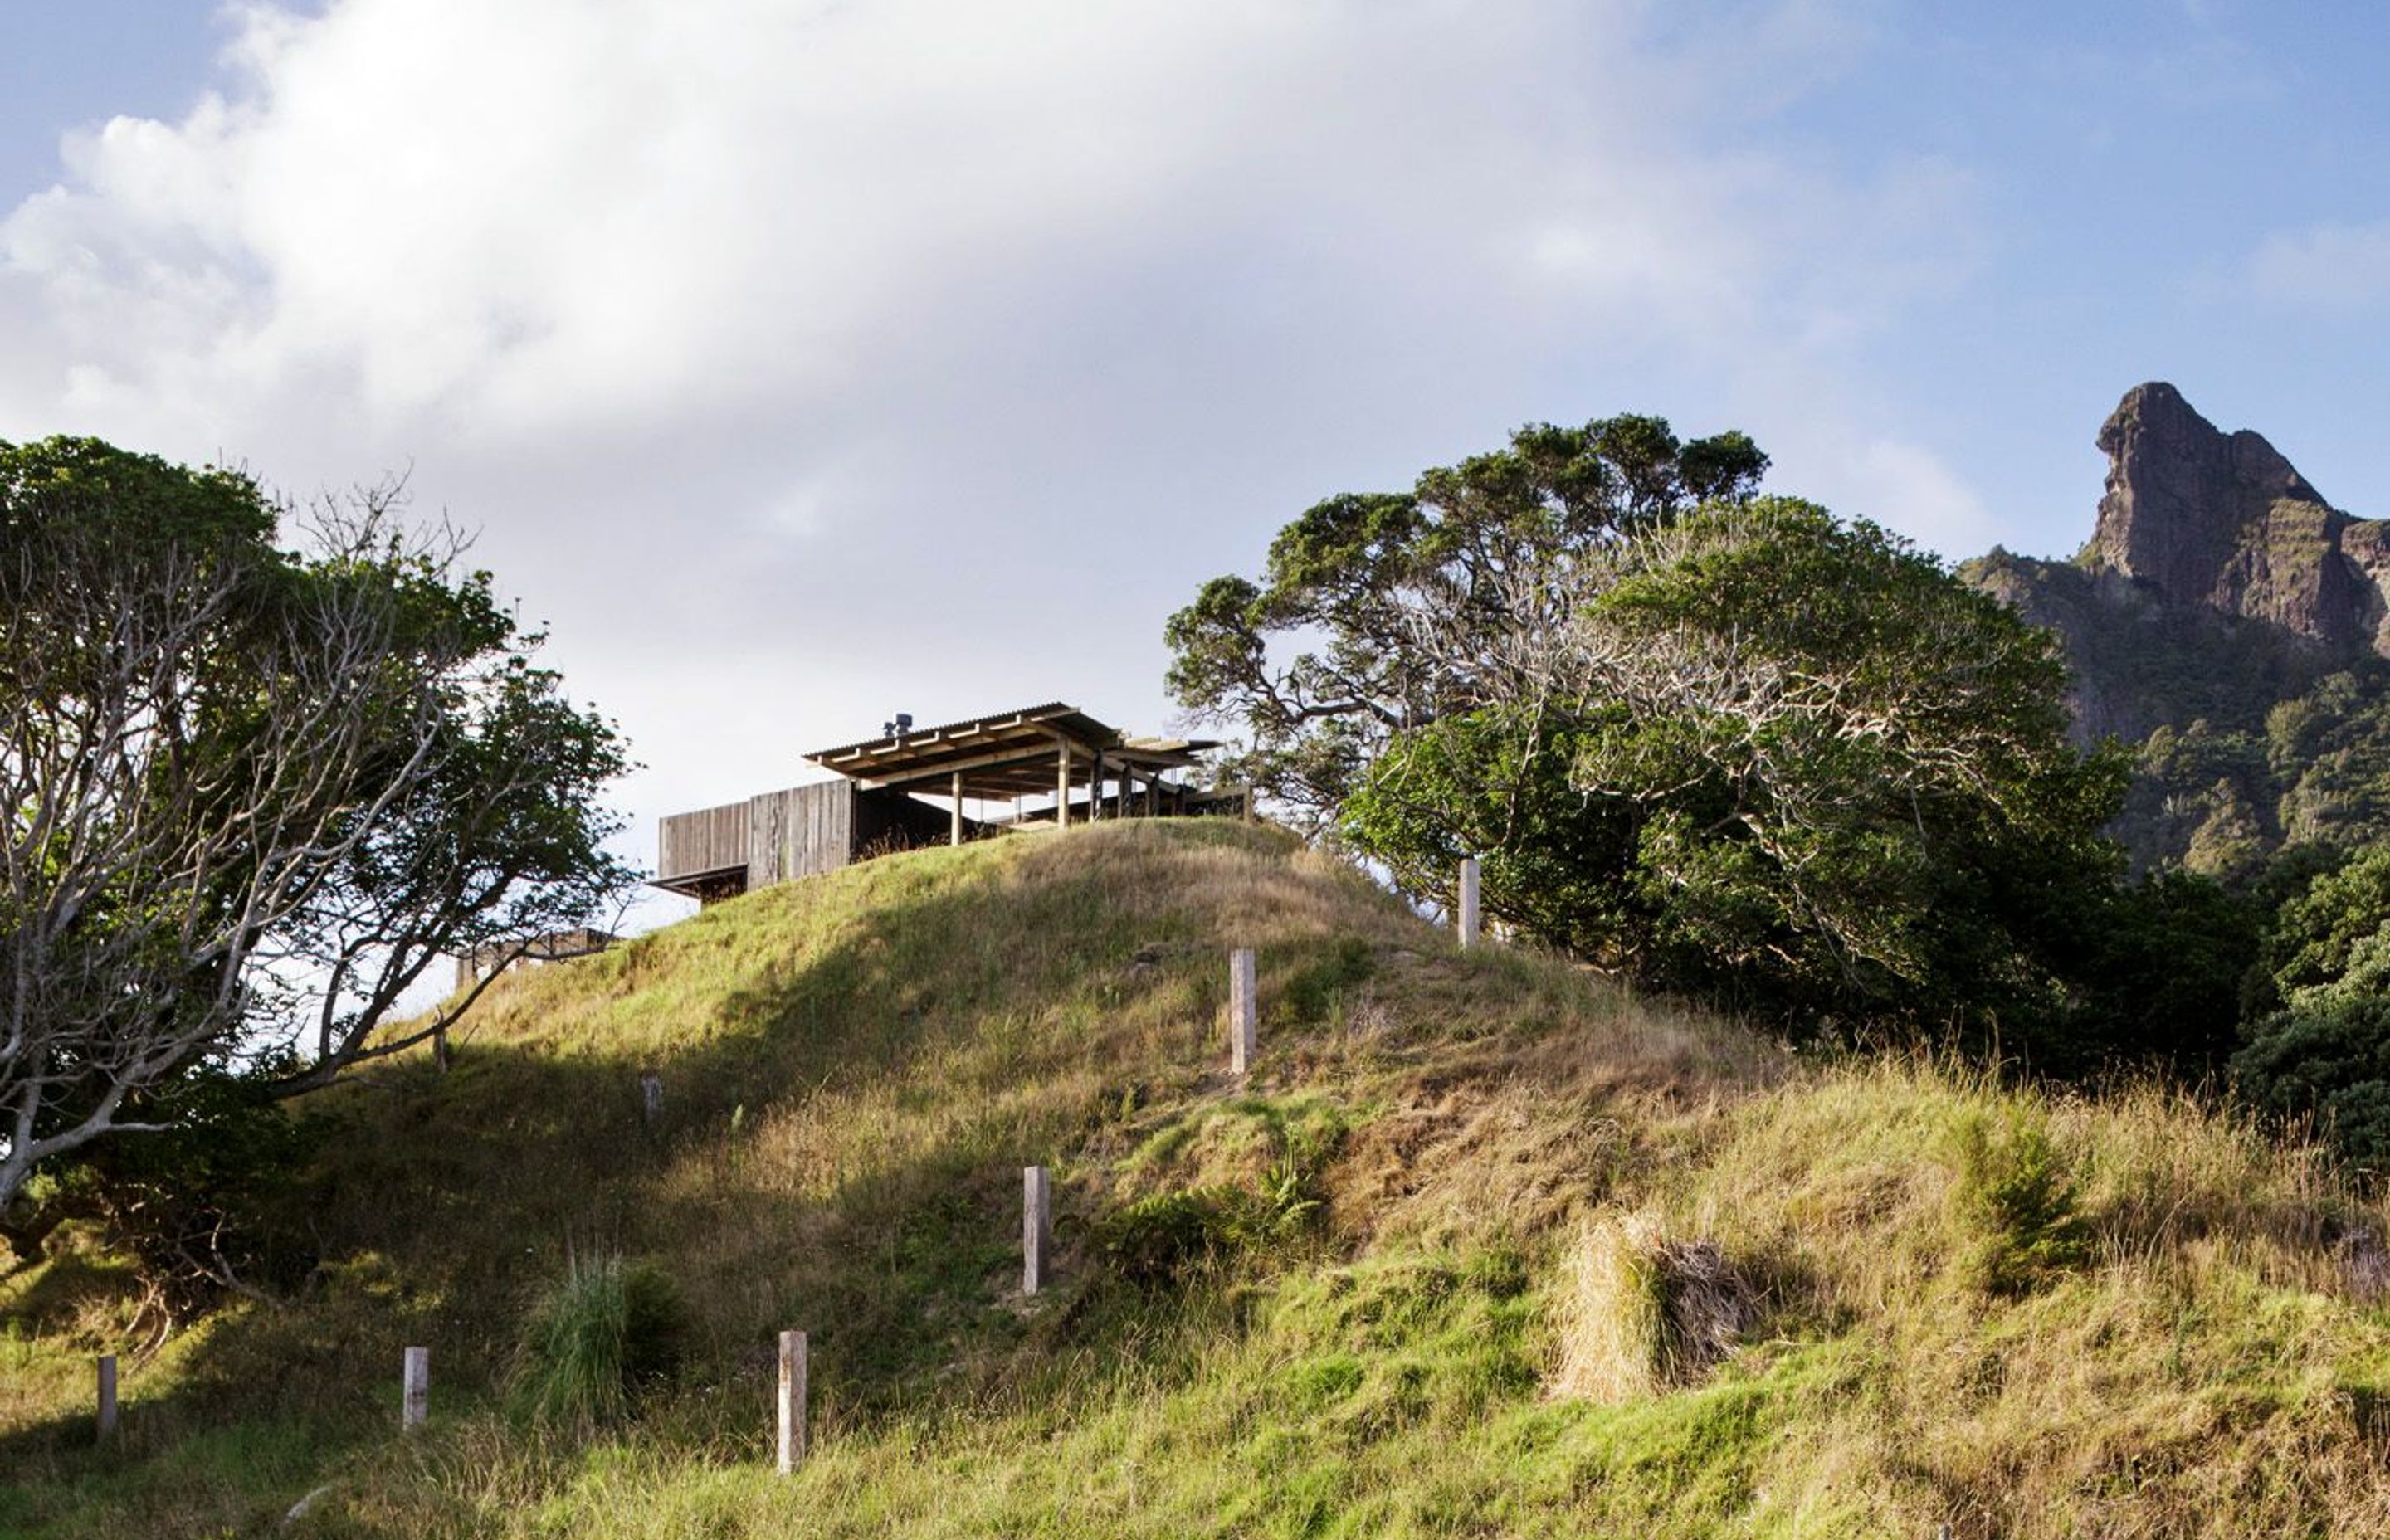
{"type": "Point", "coordinates": [255, 794]}
{"type": "Point", "coordinates": [1404, 609]}
{"type": "Point", "coordinates": [1725, 743]}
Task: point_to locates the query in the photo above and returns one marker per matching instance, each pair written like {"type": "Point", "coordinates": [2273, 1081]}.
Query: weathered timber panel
{"type": "Point", "coordinates": [708, 839]}
{"type": "Point", "coordinates": [803, 830]}
{"type": "Point", "coordinates": [765, 839]}
{"type": "Point", "coordinates": [829, 829]}
{"type": "Point", "coordinates": [800, 831]}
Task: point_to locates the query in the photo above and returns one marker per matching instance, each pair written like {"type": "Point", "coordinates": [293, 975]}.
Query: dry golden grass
{"type": "Point", "coordinates": [1612, 1317]}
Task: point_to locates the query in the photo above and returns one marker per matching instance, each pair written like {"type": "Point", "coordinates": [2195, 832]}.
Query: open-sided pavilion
{"type": "Point", "coordinates": [1039, 765]}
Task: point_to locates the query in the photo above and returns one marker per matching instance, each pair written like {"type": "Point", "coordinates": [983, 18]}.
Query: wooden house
{"type": "Point", "coordinates": [1045, 764]}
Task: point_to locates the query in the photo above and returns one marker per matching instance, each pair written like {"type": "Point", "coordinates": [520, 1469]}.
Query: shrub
{"type": "Point", "coordinates": [2329, 1062]}
{"type": "Point", "coordinates": [1159, 1237]}
{"type": "Point", "coordinates": [2016, 1206]}
{"type": "Point", "coordinates": [596, 1338]}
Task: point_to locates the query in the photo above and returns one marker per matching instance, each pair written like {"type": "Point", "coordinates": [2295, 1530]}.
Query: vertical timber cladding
{"type": "Point", "coordinates": [800, 832]}
{"type": "Point", "coordinates": [710, 839]}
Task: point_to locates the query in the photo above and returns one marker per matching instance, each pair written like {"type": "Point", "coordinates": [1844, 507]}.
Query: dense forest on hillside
{"type": "Point", "coordinates": [2247, 739]}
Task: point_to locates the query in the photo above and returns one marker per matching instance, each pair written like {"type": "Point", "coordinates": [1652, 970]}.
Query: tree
{"type": "Point", "coordinates": [2327, 1064]}
{"type": "Point", "coordinates": [2330, 942]}
{"type": "Point", "coordinates": [1836, 780]}
{"type": "Point", "coordinates": [1723, 743]}
{"type": "Point", "coordinates": [255, 794]}
{"type": "Point", "coordinates": [2318, 1045]}
{"type": "Point", "coordinates": [1409, 607]}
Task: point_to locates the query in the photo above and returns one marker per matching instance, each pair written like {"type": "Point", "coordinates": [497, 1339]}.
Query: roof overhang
{"type": "Point", "coordinates": [1006, 754]}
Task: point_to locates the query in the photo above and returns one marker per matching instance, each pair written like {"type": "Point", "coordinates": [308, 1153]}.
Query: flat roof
{"type": "Point", "coordinates": [1002, 754]}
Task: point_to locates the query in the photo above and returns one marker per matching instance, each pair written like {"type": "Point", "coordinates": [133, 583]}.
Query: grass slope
{"type": "Point", "coordinates": [1966, 1306]}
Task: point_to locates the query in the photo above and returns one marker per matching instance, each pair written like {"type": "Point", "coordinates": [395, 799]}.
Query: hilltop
{"type": "Point", "coordinates": [1484, 1246]}
{"type": "Point", "coordinates": [2229, 624]}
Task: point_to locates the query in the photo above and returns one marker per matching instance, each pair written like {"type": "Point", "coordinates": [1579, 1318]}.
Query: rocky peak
{"type": "Point", "coordinates": [2199, 517]}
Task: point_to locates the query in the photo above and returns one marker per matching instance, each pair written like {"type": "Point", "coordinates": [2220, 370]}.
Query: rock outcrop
{"type": "Point", "coordinates": [2230, 626]}
{"type": "Point", "coordinates": [2195, 517]}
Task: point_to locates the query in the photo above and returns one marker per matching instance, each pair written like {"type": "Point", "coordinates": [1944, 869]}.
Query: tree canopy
{"type": "Point", "coordinates": [254, 793]}
{"type": "Point", "coordinates": [1404, 608]}
{"type": "Point", "coordinates": [2318, 1044]}
{"type": "Point", "coordinates": [1725, 743]}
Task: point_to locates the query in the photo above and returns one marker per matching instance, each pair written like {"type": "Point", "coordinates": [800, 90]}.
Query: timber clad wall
{"type": "Point", "coordinates": [712, 839]}
{"type": "Point", "coordinates": [799, 832]}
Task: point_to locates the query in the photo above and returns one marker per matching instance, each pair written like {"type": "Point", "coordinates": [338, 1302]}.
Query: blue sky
{"type": "Point", "coordinates": [80, 64]}
{"type": "Point", "coordinates": [806, 363]}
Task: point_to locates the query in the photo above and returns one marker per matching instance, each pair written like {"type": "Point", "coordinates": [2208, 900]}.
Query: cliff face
{"type": "Point", "coordinates": [2230, 625]}
{"type": "Point", "coordinates": [2197, 518]}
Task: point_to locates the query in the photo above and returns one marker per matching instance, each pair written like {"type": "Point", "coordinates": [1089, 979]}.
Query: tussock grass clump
{"type": "Point", "coordinates": [1643, 1313]}
{"type": "Point", "coordinates": [596, 1338]}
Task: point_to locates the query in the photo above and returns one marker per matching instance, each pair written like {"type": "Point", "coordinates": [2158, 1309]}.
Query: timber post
{"type": "Point", "coordinates": [415, 1395]}
{"type": "Point", "coordinates": [1466, 911]}
{"type": "Point", "coordinates": [107, 1375]}
{"type": "Point", "coordinates": [1036, 1226]}
{"type": "Point", "coordinates": [1243, 1011]}
{"type": "Point", "coordinates": [792, 1401]}
{"type": "Point", "coordinates": [651, 1098]}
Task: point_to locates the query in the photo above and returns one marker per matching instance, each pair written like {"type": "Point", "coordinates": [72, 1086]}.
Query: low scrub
{"type": "Point", "coordinates": [1160, 1237]}
{"type": "Point", "coordinates": [1243, 1179]}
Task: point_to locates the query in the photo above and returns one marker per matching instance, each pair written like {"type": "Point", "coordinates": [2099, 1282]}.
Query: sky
{"type": "Point", "coordinates": [800, 362]}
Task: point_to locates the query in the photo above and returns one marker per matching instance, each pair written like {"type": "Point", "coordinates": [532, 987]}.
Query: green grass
{"type": "Point", "coordinates": [1367, 1336]}
{"type": "Point", "coordinates": [600, 1337]}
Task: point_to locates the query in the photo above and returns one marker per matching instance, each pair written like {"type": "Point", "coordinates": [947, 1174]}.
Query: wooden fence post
{"type": "Point", "coordinates": [1243, 1011]}
{"type": "Point", "coordinates": [107, 1397]}
{"type": "Point", "coordinates": [1466, 914]}
{"type": "Point", "coordinates": [1036, 1226]}
{"type": "Point", "coordinates": [792, 1400]}
{"type": "Point", "coordinates": [415, 1399]}
{"type": "Point", "coordinates": [651, 1098]}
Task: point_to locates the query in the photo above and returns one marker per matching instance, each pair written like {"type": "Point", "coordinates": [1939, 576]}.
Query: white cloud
{"type": "Point", "coordinates": [806, 361]}
{"type": "Point", "coordinates": [2327, 266]}
{"type": "Point", "coordinates": [1910, 487]}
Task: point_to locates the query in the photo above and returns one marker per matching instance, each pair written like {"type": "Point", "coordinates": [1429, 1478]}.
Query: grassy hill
{"type": "Point", "coordinates": [1483, 1246]}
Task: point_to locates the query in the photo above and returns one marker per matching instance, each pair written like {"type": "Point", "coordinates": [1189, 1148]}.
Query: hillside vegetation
{"type": "Point", "coordinates": [1483, 1246]}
